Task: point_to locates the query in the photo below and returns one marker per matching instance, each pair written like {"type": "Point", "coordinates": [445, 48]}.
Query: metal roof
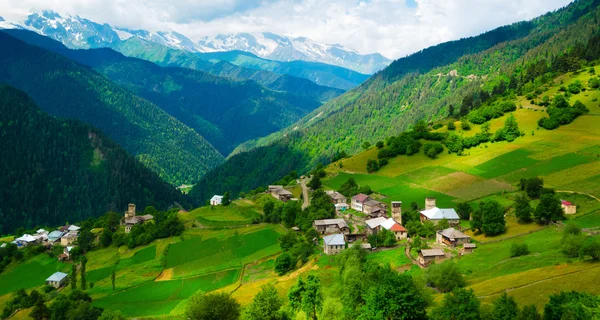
{"type": "Point", "coordinates": [57, 277]}
{"type": "Point", "coordinates": [374, 223]}
{"type": "Point", "coordinates": [432, 252]}
{"type": "Point", "coordinates": [436, 213]}
{"type": "Point", "coordinates": [334, 240]}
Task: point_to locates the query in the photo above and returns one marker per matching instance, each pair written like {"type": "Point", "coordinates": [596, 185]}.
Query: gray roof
{"type": "Point", "coordinates": [334, 240]}
{"type": "Point", "coordinates": [55, 234]}
{"type": "Point", "coordinates": [374, 223]}
{"type": "Point", "coordinates": [335, 195]}
{"type": "Point", "coordinates": [432, 252]}
{"type": "Point", "coordinates": [469, 245]}
{"type": "Point", "coordinates": [57, 277]}
{"type": "Point", "coordinates": [436, 213]}
{"type": "Point", "coordinates": [341, 223]}
{"type": "Point", "coordinates": [452, 234]}
{"type": "Point", "coordinates": [283, 192]}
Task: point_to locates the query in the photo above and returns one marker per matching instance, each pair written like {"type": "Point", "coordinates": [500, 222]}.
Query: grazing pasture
{"type": "Point", "coordinates": [31, 274]}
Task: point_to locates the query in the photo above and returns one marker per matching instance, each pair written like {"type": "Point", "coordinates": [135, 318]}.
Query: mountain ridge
{"type": "Point", "coordinates": [65, 170]}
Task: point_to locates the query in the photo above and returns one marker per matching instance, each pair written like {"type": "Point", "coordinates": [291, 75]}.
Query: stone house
{"type": "Point", "coordinates": [451, 237]}
{"type": "Point", "coordinates": [334, 244]}
{"type": "Point", "coordinates": [374, 225]}
{"type": "Point", "coordinates": [330, 226]}
{"type": "Point", "coordinates": [374, 208]}
{"type": "Point", "coordinates": [131, 219]}
{"type": "Point", "coordinates": [336, 197]}
{"type": "Point", "coordinates": [568, 207]}
{"type": "Point", "coordinates": [55, 236]}
{"type": "Point", "coordinates": [426, 256]}
{"type": "Point", "coordinates": [279, 193]}
{"type": "Point", "coordinates": [57, 280]}
{"type": "Point", "coordinates": [68, 239]}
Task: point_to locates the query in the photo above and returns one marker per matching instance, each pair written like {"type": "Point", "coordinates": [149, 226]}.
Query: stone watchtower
{"type": "Point", "coordinates": [429, 203]}
{"type": "Point", "coordinates": [130, 213]}
{"type": "Point", "coordinates": [397, 211]}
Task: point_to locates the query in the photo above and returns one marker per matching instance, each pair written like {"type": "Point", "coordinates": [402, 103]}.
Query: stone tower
{"type": "Point", "coordinates": [429, 203]}
{"type": "Point", "coordinates": [397, 211]}
{"type": "Point", "coordinates": [130, 213]}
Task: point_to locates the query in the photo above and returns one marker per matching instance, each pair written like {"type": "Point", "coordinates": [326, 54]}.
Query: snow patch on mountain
{"type": "Point", "coordinates": [284, 48]}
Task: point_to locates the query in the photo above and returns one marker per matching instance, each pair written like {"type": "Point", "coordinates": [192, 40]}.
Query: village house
{"type": "Point", "coordinates": [467, 248]}
{"type": "Point", "coordinates": [131, 219]}
{"type": "Point", "coordinates": [66, 255]}
{"type": "Point", "coordinates": [568, 207]}
{"type": "Point", "coordinates": [434, 214]}
{"type": "Point", "coordinates": [55, 236]}
{"type": "Point", "coordinates": [41, 235]}
{"type": "Point", "coordinates": [57, 280]}
{"type": "Point", "coordinates": [451, 237]}
{"type": "Point", "coordinates": [216, 200]}
{"type": "Point", "coordinates": [329, 226]}
{"type": "Point", "coordinates": [25, 240]}
{"type": "Point", "coordinates": [375, 225]}
{"type": "Point", "coordinates": [69, 238]}
{"type": "Point", "coordinates": [374, 208]}
{"type": "Point", "coordinates": [336, 197]}
{"type": "Point", "coordinates": [426, 256]}
{"type": "Point", "coordinates": [358, 201]}
{"type": "Point", "coordinates": [281, 194]}
{"type": "Point", "coordinates": [334, 244]}
{"type": "Point", "coordinates": [397, 229]}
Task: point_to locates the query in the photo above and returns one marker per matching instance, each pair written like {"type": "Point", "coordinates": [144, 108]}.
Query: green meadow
{"type": "Point", "coordinates": [31, 274]}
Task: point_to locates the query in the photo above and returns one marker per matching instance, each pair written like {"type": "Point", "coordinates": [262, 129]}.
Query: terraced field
{"type": "Point", "coordinates": [567, 158]}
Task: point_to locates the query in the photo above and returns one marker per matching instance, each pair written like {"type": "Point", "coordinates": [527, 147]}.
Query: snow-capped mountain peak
{"type": "Point", "coordinates": [80, 33]}
{"type": "Point", "coordinates": [284, 48]}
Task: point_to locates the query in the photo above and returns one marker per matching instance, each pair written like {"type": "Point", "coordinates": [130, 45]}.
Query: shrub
{"type": "Point", "coordinates": [572, 244]}
{"type": "Point", "coordinates": [445, 276]}
{"type": "Point", "coordinates": [518, 249]}
{"type": "Point", "coordinates": [465, 125]}
{"type": "Point", "coordinates": [451, 126]}
{"type": "Point", "coordinates": [433, 149]}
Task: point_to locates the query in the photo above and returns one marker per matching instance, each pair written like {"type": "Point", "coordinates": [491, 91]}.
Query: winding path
{"type": "Point", "coordinates": [304, 193]}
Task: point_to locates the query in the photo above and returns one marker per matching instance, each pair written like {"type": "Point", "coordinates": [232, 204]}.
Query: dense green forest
{"type": "Point", "coordinates": [224, 112]}
{"type": "Point", "coordinates": [323, 74]}
{"type": "Point", "coordinates": [65, 88]}
{"type": "Point", "coordinates": [164, 56]}
{"type": "Point", "coordinates": [478, 71]}
{"type": "Point", "coordinates": [55, 171]}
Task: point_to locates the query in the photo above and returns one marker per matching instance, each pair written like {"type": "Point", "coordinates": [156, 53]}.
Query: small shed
{"type": "Point", "coordinates": [426, 256]}
{"type": "Point", "coordinates": [467, 248]}
{"type": "Point", "coordinates": [568, 207]}
{"type": "Point", "coordinates": [57, 280]}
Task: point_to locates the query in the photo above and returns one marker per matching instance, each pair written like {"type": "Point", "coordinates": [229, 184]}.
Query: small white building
{"type": "Point", "coordinates": [568, 207]}
{"type": "Point", "coordinates": [57, 280]}
{"type": "Point", "coordinates": [334, 244]}
{"type": "Point", "coordinates": [25, 240]}
{"type": "Point", "coordinates": [216, 200]}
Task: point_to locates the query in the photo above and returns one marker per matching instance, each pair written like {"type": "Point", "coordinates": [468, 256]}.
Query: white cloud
{"type": "Point", "coordinates": [390, 27]}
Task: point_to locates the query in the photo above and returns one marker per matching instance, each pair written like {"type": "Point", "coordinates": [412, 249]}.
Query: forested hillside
{"type": "Point", "coordinates": [323, 74]}
{"type": "Point", "coordinates": [474, 72]}
{"type": "Point", "coordinates": [164, 56]}
{"type": "Point", "coordinates": [224, 112]}
{"type": "Point", "coordinates": [54, 171]}
{"type": "Point", "coordinates": [65, 88]}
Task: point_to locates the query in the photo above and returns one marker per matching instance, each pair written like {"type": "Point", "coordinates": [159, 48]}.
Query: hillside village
{"type": "Point", "coordinates": [487, 208]}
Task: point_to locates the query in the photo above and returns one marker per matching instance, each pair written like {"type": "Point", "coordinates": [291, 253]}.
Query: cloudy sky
{"type": "Point", "coordinates": [394, 28]}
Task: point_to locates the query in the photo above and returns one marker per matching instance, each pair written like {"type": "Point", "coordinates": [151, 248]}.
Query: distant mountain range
{"type": "Point", "coordinates": [282, 48]}
{"type": "Point", "coordinates": [80, 33]}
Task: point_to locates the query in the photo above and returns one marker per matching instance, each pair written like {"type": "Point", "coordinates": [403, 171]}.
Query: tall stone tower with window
{"type": "Point", "coordinates": [397, 211]}
{"type": "Point", "coordinates": [130, 213]}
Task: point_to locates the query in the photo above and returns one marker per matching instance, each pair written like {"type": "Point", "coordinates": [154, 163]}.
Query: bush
{"type": "Point", "coordinates": [379, 144]}
{"type": "Point", "coordinates": [433, 149]}
{"type": "Point", "coordinates": [572, 244]}
{"type": "Point", "coordinates": [465, 126]}
{"type": "Point", "coordinates": [445, 276]}
{"type": "Point", "coordinates": [518, 249]}
{"type": "Point", "coordinates": [451, 126]}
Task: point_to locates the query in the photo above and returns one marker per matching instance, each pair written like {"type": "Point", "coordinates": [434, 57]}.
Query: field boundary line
{"type": "Point", "coordinates": [538, 281]}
